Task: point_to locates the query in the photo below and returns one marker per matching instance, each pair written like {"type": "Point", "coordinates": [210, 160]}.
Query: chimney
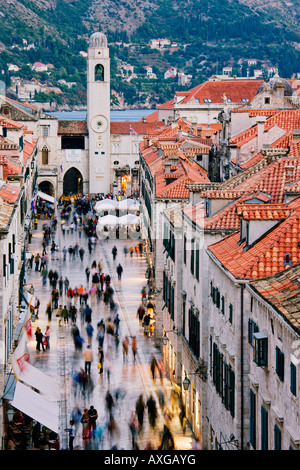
{"type": "Point", "coordinates": [171, 160]}
{"type": "Point", "coordinates": [279, 89]}
{"type": "Point", "coordinates": [296, 135]}
{"type": "Point", "coordinates": [260, 122]}
{"type": "Point", "coordinates": [146, 142]}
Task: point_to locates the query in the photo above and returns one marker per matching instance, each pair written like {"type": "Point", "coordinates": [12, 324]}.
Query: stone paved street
{"type": "Point", "coordinates": [129, 378]}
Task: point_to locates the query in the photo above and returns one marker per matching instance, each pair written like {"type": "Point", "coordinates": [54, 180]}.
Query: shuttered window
{"type": "Point", "coordinates": [253, 419]}
{"type": "Point", "coordinates": [280, 363]}
{"type": "Point", "coordinates": [293, 385]}
{"type": "Point", "coordinates": [264, 429]}
{"type": "Point", "coordinates": [277, 438]}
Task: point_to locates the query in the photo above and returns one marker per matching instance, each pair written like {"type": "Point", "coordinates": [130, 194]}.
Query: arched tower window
{"type": "Point", "coordinates": [99, 73]}
{"type": "Point", "coordinates": [45, 155]}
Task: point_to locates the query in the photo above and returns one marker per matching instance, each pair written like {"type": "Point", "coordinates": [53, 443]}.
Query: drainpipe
{"type": "Point", "coordinates": [242, 366]}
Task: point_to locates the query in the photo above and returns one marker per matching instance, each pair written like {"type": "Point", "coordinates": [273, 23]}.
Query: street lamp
{"type": "Point", "coordinates": [186, 383]}
{"type": "Point", "coordinates": [200, 371]}
{"type": "Point", "coordinates": [165, 339]}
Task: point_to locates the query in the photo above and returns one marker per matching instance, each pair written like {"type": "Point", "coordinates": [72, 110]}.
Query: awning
{"type": "Point", "coordinates": [10, 386]}
{"type": "Point", "coordinates": [36, 406]}
{"type": "Point", "coordinates": [45, 196]}
{"type": "Point", "coordinates": [39, 380]}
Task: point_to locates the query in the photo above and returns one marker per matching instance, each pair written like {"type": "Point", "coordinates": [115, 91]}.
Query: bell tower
{"type": "Point", "coordinates": [98, 113]}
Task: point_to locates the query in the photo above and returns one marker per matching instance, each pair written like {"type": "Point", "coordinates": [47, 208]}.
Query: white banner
{"type": "Point", "coordinates": [73, 155]}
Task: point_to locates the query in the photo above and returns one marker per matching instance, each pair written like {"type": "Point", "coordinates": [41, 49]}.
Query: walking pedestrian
{"type": "Point", "coordinates": [65, 315]}
{"type": "Point", "coordinates": [153, 367]}
{"type": "Point", "coordinates": [101, 333]}
{"type": "Point", "coordinates": [134, 428]}
{"type": "Point", "coordinates": [119, 271]}
{"type": "Point", "coordinates": [64, 252]}
{"type": "Point", "coordinates": [93, 415]}
{"type": "Point", "coordinates": [71, 431]}
{"type": "Point", "coordinates": [134, 347]}
{"type": "Point", "coordinates": [81, 253]}
{"type": "Point", "coordinates": [100, 359]}
{"type": "Point", "coordinates": [85, 420]}
{"type": "Point", "coordinates": [88, 359]}
{"type": "Point", "coordinates": [114, 252]}
{"type": "Point", "coordinates": [152, 411]}
{"type": "Point", "coordinates": [140, 410]}
{"type": "Point", "coordinates": [167, 441]}
{"type": "Point", "coordinates": [125, 344]}
{"type": "Point", "coordinates": [66, 285]}
{"type": "Point", "coordinates": [59, 314]}
{"type": "Point", "coordinates": [49, 311]}
{"type": "Point", "coordinates": [60, 286]}
{"type": "Point", "coordinates": [89, 332]}
{"type": "Point", "coordinates": [117, 324]}
{"type": "Point", "coordinates": [87, 273]}
{"type": "Point", "coordinates": [88, 314]}
{"type": "Point", "coordinates": [47, 337]}
{"type": "Point", "coordinates": [39, 339]}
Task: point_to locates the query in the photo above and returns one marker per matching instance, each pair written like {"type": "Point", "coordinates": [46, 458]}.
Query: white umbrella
{"type": "Point", "coordinates": [106, 205]}
{"type": "Point", "coordinates": [108, 220]}
{"type": "Point", "coordinates": [131, 204]}
{"type": "Point", "coordinates": [129, 219]}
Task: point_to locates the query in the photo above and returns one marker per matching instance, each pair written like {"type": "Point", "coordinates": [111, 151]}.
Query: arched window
{"type": "Point", "coordinates": [99, 73]}
{"type": "Point", "coordinates": [45, 155]}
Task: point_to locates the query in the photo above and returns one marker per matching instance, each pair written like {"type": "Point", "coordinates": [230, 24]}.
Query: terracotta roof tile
{"type": "Point", "coordinates": [282, 291]}
{"type": "Point", "coordinates": [267, 256]}
{"type": "Point", "coordinates": [9, 193]}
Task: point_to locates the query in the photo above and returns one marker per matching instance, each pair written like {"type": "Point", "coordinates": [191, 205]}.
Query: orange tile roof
{"type": "Point", "coordinates": [287, 120]}
{"type": "Point", "coordinates": [28, 149]}
{"type": "Point", "coordinates": [9, 193]}
{"type": "Point", "coordinates": [140, 127]}
{"type": "Point", "coordinates": [266, 257]}
{"type": "Point", "coordinates": [236, 90]}
{"type": "Point", "coordinates": [282, 292]}
{"type": "Point", "coordinates": [263, 211]}
{"type": "Point", "coordinates": [185, 173]}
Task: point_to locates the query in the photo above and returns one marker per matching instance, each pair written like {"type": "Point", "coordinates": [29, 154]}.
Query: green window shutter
{"type": "Point", "coordinates": [197, 273]}
{"type": "Point", "coordinates": [223, 304]}
{"type": "Point", "coordinates": [231, 392]}
{"type": "Point", "coordinates": [192, 257]}
{"type": "Point", "coordinates": [230, 312]}
{"type": "Point", "coordinates": [293, 384]}
{"type": "Point", "coordinates": [217, 298]}
{"type": "Point", "coordinates": [172, 302]}
{"type": "Point", "coordinates": [277, 438]}
{"type": "Point", "coordinates": [184, 249]}
{"type": "Point", "coordinates": [260, 349]}
{"type": "Point", "coordinates": [264, 429]}
{"type": "Point", "coordinates": [253, 419]}
{"type": "Point", "coordinates": [280, 363]}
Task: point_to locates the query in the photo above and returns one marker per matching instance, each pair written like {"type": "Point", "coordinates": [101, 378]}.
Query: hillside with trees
{"type": "Point", "coordinates": [204, 36]}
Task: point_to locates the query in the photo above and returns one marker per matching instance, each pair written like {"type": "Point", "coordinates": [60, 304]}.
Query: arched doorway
{"type": "Point", "coordinates": [73, 182]}
{"type": "Point", "coordinates": [46, 187]}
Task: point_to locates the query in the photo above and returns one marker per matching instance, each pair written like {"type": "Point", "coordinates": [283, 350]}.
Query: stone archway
{"type": "Point", "coordinates": [47, 187]}
{"type": "Point", "coordinates": [73, 182]}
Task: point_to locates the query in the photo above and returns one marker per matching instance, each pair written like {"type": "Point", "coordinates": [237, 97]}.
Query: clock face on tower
{"type": "Point", "coordinates": [99, 123]}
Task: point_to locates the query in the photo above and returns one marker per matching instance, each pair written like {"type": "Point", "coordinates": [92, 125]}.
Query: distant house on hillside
{"type": "Point", "coordinates": [12, 68]}
{"type": "Point", "coordinates": [149, 72]}
{"type": "Point", "coordinates": [170, 73]}
{"type": "Point", "coordinates": [39, 67]}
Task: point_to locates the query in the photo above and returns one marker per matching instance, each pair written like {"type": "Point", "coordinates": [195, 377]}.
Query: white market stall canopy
{"type": "Point", "coordinates": [36, 406]}
{"type": "Point", "coordinates": [129, 204]}
{"type": "Point", "coordinates": [108, 220]}
{"type": "Point", "coordinates": [106, 205]}
{"type": "Point", "coordinates": [45, 196]}
{"type": "Point", "coordinates": [129, 219]}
